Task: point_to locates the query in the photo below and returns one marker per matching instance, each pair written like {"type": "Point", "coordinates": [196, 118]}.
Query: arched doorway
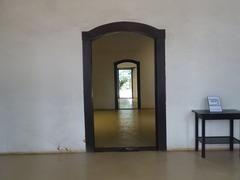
{"type": "Point", "coordinates": [160, 85]}
{"type": "Point", "coordinates": [134, 95]}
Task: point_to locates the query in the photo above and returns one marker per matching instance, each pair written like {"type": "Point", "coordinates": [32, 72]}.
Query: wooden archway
{"type": "Point", "coordinates": [160, 81]}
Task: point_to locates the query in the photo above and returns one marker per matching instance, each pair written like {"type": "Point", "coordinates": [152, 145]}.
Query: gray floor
{"type": "Point", "coordinates": [219, 165]}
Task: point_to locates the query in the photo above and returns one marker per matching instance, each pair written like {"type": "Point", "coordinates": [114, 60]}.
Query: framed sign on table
{"type": "Point", "coordinates": [214, 104]}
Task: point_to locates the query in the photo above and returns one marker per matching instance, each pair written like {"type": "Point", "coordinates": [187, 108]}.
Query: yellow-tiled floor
{"type": "Point", "coordinates": [125, 128]}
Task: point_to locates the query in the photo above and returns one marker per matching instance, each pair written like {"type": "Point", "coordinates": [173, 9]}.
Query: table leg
{"type": "Point", "coordinates": [196, 132]}
{"type": "Point", "coordinates": [231, 134]}
{"type": "Point", "coordinates": [203, 138]}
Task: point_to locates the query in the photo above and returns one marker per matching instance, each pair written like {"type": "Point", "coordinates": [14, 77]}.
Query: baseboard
{"type": "Point", "coordinates": [77, 152]}
{"type": "Point", "coordinates": [208, 149]}
{"type": "Point", "coordinates": [41, 153]}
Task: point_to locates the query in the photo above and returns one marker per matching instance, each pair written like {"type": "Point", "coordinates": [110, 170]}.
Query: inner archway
{"type": "Point", "coordinates": [130, 97]}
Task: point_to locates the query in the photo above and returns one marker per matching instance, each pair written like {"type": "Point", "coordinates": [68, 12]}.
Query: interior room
{"type": "Point", "coordinates": [119, 89]}
{"type": "Point", "coordinates": [119, 122]}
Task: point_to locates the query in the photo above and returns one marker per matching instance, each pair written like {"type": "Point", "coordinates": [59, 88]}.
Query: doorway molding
{"type": "Point", "coordinates": [160, 80]}
{"type": "Point", "coordinates": [116, 81]}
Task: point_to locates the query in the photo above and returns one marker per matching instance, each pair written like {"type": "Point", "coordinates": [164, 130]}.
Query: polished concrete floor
{"type": "Point", "coordinates": [124, 128]}
{"type": "Point", "coordinates": [219, 165]}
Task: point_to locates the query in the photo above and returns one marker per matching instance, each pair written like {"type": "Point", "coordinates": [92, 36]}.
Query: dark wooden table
{"type": "Point", "coordinates": [227, 114]}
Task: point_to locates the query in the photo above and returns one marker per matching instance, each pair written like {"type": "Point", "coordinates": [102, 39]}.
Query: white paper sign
{"type": "Point", "coordinates": [214, 104]}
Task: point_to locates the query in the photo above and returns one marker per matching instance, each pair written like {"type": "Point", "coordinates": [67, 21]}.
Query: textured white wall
{"type": "Point", "coordinates": [41, 93]}
{"type": "Point", "coordinates": [118, 46]}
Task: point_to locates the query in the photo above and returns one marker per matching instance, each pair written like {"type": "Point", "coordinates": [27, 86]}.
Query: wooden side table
{"type": "Point", "coordinates": [227, 114]}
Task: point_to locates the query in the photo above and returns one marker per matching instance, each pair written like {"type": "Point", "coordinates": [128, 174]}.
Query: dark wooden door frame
{"type": "Point", "coordinates": [160, 81]}
{"type": "Point", "coordinates": [116, 80]}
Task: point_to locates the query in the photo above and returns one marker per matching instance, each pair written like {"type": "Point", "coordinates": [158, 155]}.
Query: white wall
{"type": "Point", "coordinates": [112, 48]}
{"type": "Point", "coordinates": [41, 93]}
{"type": "Point", "coordinates": [135, 94]}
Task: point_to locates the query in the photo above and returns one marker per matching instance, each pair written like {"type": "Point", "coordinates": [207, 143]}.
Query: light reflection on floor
{"type": "Point", "coordinates": [127, 103]}
{"type": "Point", "coordinates": [124, 128]}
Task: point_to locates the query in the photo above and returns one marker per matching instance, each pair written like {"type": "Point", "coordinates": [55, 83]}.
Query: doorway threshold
{"type": "Point", "coordinates": [125, 149]}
